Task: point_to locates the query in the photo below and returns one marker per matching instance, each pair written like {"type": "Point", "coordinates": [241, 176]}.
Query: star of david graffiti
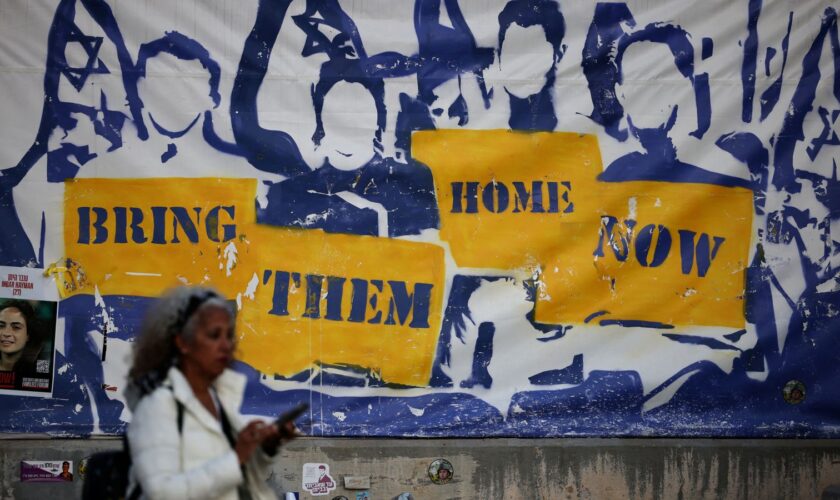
{"type": "Point", "coordinates": [91, 45]}
{"type": "Point", "coordinates": [828, 136]}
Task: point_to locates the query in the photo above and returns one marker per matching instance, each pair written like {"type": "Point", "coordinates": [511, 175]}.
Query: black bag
{"type": "Point", "coordinates": [106, 476]}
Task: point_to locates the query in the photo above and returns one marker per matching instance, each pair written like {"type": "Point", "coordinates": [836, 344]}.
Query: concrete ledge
{"type": "Point", "coordinates": [513, 468]}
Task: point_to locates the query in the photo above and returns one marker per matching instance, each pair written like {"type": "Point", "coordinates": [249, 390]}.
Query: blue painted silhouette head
{"type": "Point", "coordinates": [612, 34]}
{"type": "Point", "coordinates": [642, 104]}
{"type": "Point", "coordinates": [537, 26]}
{"type": "Point", "coordinates": [181, 51]}
{"type": "Point", "coordinates": [351, 124]}
{"type": "Point", "coordinates": [350, 113]}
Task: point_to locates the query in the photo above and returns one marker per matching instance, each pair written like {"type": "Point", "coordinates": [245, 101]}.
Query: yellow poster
{"type": "Point", "coordinates": [354, 301]}
{"type": "Point", "coordinates": [507, 198]}
{"type": "Point", "coordinates": [142, 236]}
{"type": "Point", "coordinates": [660, 253]}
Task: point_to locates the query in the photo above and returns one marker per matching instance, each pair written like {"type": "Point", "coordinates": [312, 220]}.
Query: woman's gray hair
{"type": "Point", "coordinates": [176, 313]}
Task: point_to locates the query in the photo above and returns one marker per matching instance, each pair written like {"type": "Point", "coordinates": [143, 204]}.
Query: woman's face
{"type": "Point", "coordinates": [13, 334]}
{"type": "Point", "coordinates": [211, 349]}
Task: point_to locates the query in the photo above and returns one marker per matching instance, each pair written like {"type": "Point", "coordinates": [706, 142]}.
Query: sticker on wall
{"type": "Point", "coordinates": [37, 471]}
{"type": "Point", "coordinates": [362, 495]}
{"type": "Point", "coordinates": [441, 471]}
{"type": "Point", "coordinates": [291, 495]}
{"type": "Point", "coordinates": [794, 392]}
{"type": "Point", "coordinates": [28, 311]}
{"type": "Point", "coordinates": [340, 497]}
{"type": "Point", "coordinates": [83, 466]}
{"type": "Point", "coordinates": [317, 479]}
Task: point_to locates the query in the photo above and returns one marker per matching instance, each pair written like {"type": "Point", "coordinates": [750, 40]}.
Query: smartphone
{"type": "Point", "coordinates": [292, 415]}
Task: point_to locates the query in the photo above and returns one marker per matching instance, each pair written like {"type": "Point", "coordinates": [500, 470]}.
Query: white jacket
{"type": "Point", "coordinates": [198, 462]}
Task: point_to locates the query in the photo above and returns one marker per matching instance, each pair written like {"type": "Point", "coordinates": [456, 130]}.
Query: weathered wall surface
{"type": "Point", "coordinates": [514, 469]}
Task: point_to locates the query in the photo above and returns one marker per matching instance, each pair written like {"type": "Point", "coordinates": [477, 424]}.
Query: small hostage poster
{"type": "Point", "coordinates": [37, 471]}
{"type": "Point", "coordinates": [317, 480]}
{"type": "Point", "coordinates": [28, 309]}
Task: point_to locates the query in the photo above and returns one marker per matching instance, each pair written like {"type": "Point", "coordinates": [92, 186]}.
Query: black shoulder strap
{"type": "Point", "coordinates": [180, 408]}
{"type": "Point", "coordinates": [180, 416]}
{"type": "Point", "coordinates": [226, 427]}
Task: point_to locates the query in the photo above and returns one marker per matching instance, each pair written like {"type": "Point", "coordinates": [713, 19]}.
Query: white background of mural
{"type": "Point", "coordinates": [476, 387]}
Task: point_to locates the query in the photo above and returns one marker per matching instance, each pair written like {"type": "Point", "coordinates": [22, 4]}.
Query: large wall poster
{"type": "Point", "coordinates": [439, 217]}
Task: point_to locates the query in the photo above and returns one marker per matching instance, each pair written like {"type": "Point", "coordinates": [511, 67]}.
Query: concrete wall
{"type": "Point", "coordinates": [513, 468]}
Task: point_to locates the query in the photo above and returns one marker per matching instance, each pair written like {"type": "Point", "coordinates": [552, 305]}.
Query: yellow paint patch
{"type": "Point", "coordinates": [693, 280]}
{"type": "Point", "coordinates": [142, 236]}
{"type": "Point", "coordinates": [340, 299]}
{"type": "Point", "coordinates": [502, 225]}
{"type": "Point", "coordinates": [488, 183]}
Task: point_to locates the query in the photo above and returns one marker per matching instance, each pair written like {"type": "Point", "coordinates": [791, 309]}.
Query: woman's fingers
{"type": "Point", "coordinates": [269, 436]}
{"type": "Point", "coordinates": [270, 431]}
{"type": "Point", "coordinates": [259, 431]}
{"type": "Point", "coordinates": [249, 438]}
{"type": "Point", "coordinates": [252, 430]}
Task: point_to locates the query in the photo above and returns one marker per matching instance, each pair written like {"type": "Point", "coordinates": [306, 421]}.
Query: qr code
{"type": "Point", "coordinates": [42, 366]}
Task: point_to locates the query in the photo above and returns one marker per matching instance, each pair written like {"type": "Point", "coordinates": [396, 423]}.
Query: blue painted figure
{"type": "Point", "coordinates": [65, 121]}
{"type": "Point", "coordinates": [447, 51]}
{"type": "Point", "coordinates": [608, 52]}
{"type": "Point", "coordinates": [356, 190]}
{"type": "Point", "coordinates": [538, 27]}
{"type": "Point", "coordinates": [174, 124]}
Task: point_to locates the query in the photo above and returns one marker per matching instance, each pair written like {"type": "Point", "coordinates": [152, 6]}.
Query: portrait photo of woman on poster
{"type": "Point", "coordinates": [26, 345]}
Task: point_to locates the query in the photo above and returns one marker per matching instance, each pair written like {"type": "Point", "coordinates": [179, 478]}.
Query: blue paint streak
{"type": "Point", "coordinates": [209, 134]}
{"type": "Point", "coordinates": [708, 48]}
{"type": "Point", "coordinates": [735, 336]}
{"type": "Point", "coordinates": [444, 54]}
{"type": "Point", "coordinates": [595, 315]}
{"type": "Point", "coordinates": [572, 374]}
{"type": "Point", "coordinates": [482, 355]}
{"type": "Point", "coordinates": [171, 151]}
{"type": "Point", "coordinates": [748, 66]}
{"type": "Point", "coordinates": [310, 200]}
{"type": "Point", "coordinates": [747, 148]}
{"type": "Point", "coordinates": [698, 340]}
{"type": "Point", "coordinates": [802, 102]}
{"type": "Point", "coordinates": [270, 150]}
{"type": "Point", "coordinates": [455, 316]}
{"type": "Point", "coordinates": [599, 66]}
{"type": "Point", "coordinates": [633, 323]}
{"type": "Point", "coordinates": [770, 96]}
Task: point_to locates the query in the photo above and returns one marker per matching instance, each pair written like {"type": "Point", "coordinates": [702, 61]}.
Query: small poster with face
{"type": "Point", "coordinates": [28, 311]}
{"type": "Point", "coordinates": [441, 471]}
{"type": "Point", "coordinates": [38, 471]}
{"type": "Point", "coordinates": [317, 480]}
